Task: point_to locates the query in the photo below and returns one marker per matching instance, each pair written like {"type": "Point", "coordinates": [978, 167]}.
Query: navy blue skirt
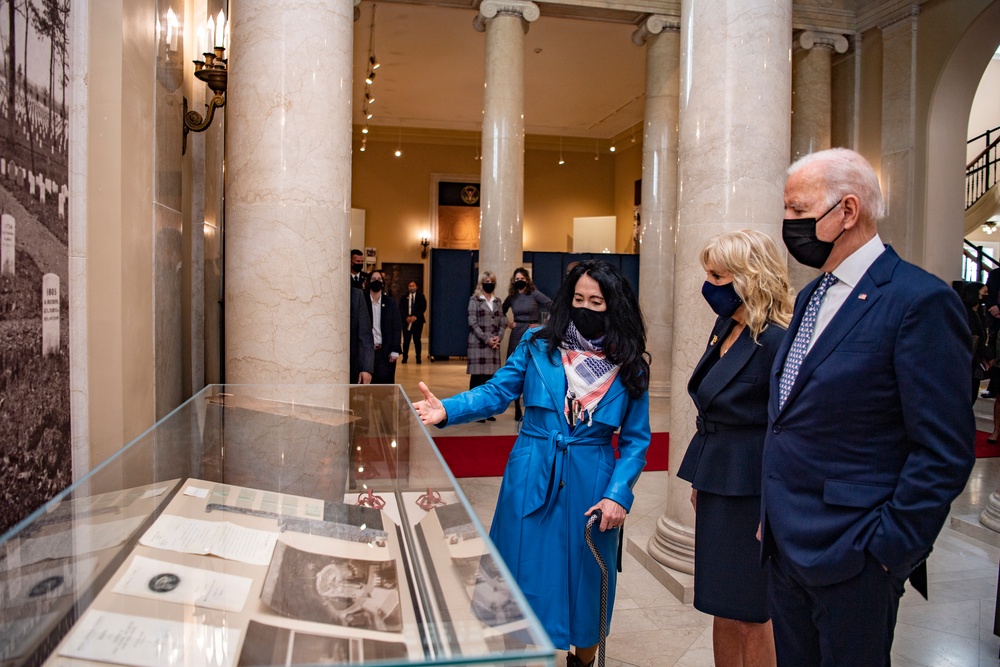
{"type": "Point", "coordinates": [728, 579]}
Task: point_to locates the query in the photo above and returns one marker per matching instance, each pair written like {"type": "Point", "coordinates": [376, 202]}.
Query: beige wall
{"type": "Point", "coordinates": [985, 114]}
{"type": "Point", "coordinates": [396, 193]}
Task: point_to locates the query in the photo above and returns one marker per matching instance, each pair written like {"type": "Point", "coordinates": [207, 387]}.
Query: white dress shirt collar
{"type": "Point", "coordinates": [856, 264]}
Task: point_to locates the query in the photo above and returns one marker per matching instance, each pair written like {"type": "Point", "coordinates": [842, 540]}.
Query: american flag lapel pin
{"type": "Point", "coordinates": [862, 296]}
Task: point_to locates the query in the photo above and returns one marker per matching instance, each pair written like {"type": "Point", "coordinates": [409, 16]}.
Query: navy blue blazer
{"type": "Point", "coordinates": [724, 456]}
{"type": "Point", "coordinates": [876, 437]}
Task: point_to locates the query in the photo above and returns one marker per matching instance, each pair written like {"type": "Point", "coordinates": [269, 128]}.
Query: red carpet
{"type": "Point", "coordinates": [486, 456]}
{"type": "Point", "coordinates": [986, 450]}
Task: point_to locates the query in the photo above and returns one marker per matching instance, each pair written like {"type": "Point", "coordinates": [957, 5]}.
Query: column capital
{"type": "Point", "coordinates": [809, 39]}
{"type": "Point", "coordinates": [654, 25]}
{"type": "Point", "coordinates": [910, 13]}
{"type": "Point", "coordinates": [523, 9]}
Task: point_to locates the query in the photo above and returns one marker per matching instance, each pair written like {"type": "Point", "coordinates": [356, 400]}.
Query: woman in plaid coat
{"type": "Point", "coordinates": [486, 328]}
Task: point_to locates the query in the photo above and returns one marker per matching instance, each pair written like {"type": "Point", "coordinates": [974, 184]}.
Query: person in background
{"type": "Point", "coordinates": [359, 279]}
{"type": "Point", "coordinates": [991, 314]}
{"type": "Point", "coordinates": [362, 346]}
{"type": "Point", "coordinates": [386, 329]}
{"type": "Point", "coordinates": [525, 301]}
{"type": "Point", "coordinates": [747, 287]}
{"type": "Point", "coordinates": [412, 308]}
{"type": "Point", "coordinates": [870, 429]}
{"type": "Point", "coordinates": [973, 294]}
{"type": "Point", "coordinates": [584, 376]}
{"type": "Point", "coordinates": [486, 329]}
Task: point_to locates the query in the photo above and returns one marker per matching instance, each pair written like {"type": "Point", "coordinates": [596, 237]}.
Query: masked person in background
{"type": "Point", "coordinates": [584, 375]}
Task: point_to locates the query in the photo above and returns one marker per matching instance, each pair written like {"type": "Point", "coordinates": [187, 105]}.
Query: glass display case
{"type": "Point", "coordinates": [265, 525]}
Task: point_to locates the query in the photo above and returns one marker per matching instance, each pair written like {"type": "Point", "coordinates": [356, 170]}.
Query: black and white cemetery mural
{"type": "Point", "coordinates": [35, 448]}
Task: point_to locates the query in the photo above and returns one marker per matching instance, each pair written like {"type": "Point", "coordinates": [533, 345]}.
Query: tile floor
{"type": "Point", "coordinates": [652, 628]}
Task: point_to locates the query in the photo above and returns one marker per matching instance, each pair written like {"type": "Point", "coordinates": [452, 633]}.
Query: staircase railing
{"type": "Point", "coordinates": [981, 173]}
{"type": "Point", "coordinates": [984, 263]}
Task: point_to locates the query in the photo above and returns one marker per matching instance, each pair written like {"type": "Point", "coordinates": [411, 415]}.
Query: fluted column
{"type": "Point", "coordinates": [502, 180]}
{"type": "Point", "coordinates": [661, 36]}
{"type": "Point", "coordinates": [899, 94]}
{"type": "Point", "coordinates": [288, 191]}
{"type": "Point", "coordinates": [733, 148]}
{"type": "Point", "coordinates": [811, 103]}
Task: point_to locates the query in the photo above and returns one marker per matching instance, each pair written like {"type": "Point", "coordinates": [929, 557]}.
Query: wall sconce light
{"type": "Point", "coordinates": [213, 71]}
{"type": "Point", "coordinates": [425, 242]}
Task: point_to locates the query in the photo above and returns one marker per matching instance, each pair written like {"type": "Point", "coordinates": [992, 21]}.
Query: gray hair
{"type": "Point", "coordinates": [847, 173]}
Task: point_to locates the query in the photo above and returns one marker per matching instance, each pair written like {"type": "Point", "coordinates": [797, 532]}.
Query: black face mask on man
{"type": "Point", "coordinates": [799, 235]}
{"type": "Point", "coordinates": [590, 323]}
{"type": "Point", "coordinates": [356, 268]}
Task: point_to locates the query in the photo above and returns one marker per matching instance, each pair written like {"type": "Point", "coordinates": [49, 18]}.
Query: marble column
{"type": "Point", "coordinates": [733, 148]}
{"type": "Point", "coordinates": [288, 191]}
{"type": "Point", "coordinates": [811, 103]}
{"type": "Point", "coordinates": [502, 178]}
{"type": "Point", "coordinates": [661, 37]}
{"type": "Point", "coordinates": [899, 95]}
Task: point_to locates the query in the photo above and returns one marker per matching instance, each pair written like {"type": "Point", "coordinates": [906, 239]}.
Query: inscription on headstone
{"type": "Point", "coordinates": [50, 314]}
{"type": "Point", "coordinates": [7, 245]}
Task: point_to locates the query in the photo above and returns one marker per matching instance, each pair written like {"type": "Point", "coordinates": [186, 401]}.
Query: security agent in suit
{"type": "Point", "coordinates": [362, 343]}
{"type": "Point", "coordinates": [412, 307]}
{"type": "Point", "coordinates": [359, 279]}
{"type": "Point", "coordinates": [386, 329]}
{"type": "Point", "coordinates": [874, 438]}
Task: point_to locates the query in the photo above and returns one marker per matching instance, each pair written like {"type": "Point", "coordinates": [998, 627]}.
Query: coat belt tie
{"type": "Point", "coordinates": [546, 464]}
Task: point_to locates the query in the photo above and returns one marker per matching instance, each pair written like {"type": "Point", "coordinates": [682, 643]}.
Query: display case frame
{"type": "Point", "coordinates": [266, 525]}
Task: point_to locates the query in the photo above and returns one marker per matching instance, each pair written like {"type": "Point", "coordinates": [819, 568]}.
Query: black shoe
{"type": "Point", "coordinates": [988, 394]}
{"type": "Point", "coordinates": [404, 360]}
{"type": "Point", "coordinates": [480, 421]}
{"type": "Point", "coordinates": [491, 419]}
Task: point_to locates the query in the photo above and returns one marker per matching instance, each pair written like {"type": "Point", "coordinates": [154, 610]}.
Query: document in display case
{"type": "Point", "coordinates": [262, 525]}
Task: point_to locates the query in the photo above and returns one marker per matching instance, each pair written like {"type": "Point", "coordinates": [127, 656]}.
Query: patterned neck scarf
{"type": "Point", "coordinates": [588, 375]}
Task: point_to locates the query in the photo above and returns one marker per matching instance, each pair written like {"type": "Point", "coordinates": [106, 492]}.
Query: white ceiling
{"type": "Point", "coordinates": [581, 78]}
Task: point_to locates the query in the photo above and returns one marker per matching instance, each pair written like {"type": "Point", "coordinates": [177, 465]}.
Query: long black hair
{"type": "Point", "coordinates": [625, 330]}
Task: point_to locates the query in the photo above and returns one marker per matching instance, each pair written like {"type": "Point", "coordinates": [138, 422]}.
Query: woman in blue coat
{"type": "Point", "coordinates": [747, 287]}
{"type": "Point", "coordinates": [584, 376]}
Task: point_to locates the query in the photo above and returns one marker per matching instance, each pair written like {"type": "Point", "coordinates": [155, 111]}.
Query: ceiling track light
{"type": "Point", "coordinates": [561, 160]}
{"type": "Point", "coordinates": [364, 129]}
{"type": "Point", "coordinates": [399, 142]}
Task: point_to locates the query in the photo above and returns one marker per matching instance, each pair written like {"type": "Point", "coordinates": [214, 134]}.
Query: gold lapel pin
{"type": "Point", "coordinates": [715, 339]}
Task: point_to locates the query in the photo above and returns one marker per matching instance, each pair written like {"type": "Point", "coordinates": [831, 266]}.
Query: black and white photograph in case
{"type": "Point", "coordinates": [267, 645]}
{"type": "Point", "coordinates": [34, 231]}
{"type": "Point", "coordinates": [348, 592]}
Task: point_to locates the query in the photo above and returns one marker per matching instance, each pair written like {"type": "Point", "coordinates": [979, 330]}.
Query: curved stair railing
{"type": "Point", "coordinates": [981, 173]}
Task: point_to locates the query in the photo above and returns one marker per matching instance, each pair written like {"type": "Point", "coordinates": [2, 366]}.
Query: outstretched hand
{"type": "Point", "coordinates": [430, 409]}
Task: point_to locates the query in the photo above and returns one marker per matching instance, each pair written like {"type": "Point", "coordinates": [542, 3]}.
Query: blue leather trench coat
{"type": "Point", "coordinates": [554, 475]}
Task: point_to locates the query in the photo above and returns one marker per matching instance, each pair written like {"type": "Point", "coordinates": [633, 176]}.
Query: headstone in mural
{"type": "Point", "coordinates": [7, 245]}
{"type": "Point", "coordinates": [62, 206]}
{"type": "Point", "coordinates": [31, 184]}
{"type": "Point", "coordinates": [50, 314]}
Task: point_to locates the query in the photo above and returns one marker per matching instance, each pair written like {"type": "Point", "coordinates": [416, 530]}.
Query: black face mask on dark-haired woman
{"type": "Point", "coordinates": [590, 323]}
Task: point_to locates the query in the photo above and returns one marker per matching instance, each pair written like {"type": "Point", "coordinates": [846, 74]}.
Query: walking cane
{"type": "Point", "coordinates": [595, 518]}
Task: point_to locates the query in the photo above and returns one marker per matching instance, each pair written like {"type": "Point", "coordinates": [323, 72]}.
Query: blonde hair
{"type": "Point", "coordinates": [479, 286]}
{"type": "Point", "coordinates": [760, 276]}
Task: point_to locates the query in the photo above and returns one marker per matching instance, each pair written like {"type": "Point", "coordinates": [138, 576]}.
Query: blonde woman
{"type": "Point", "coordinates": [747, 287]}
{"type": "Point", "coordinates": [486, 328]}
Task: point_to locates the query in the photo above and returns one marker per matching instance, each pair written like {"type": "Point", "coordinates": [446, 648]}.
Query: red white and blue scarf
{"type": "Point", "coordinates": [588, 375]}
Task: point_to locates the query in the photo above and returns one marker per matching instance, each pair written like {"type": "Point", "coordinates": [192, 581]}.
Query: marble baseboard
{"type": "Point", "coordinates": [679, 584]}
{"type": "Point", "coordinates": [968, 524]}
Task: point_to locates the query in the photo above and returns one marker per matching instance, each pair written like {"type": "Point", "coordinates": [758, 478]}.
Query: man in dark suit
{"type": "Point", "coordinates": [362, 343]}
{"type": "Point", "coordinates": [386, 329]}
{"type": "Point", "coordinates": [870, 433]}
{"type": "Point", "coordinates": [411, 309]}
{"type": "Point", "coordinates": [359, 279]}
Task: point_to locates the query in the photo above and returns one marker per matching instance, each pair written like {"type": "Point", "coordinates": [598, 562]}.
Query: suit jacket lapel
{"type": "Point", "coordinates": [727, 367]}
{"type": "Point", "coordinates": [859, 302]}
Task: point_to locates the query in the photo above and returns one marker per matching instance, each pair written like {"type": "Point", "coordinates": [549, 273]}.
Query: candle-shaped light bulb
{"type": "Point", "coordinates": [220, 28]}
{"type": "Point", "coordinates": [225, 39]}
{"type": "Point", "coordinates": [209, 35]}
{"type": "Point", "coordinates": [200, 42]}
